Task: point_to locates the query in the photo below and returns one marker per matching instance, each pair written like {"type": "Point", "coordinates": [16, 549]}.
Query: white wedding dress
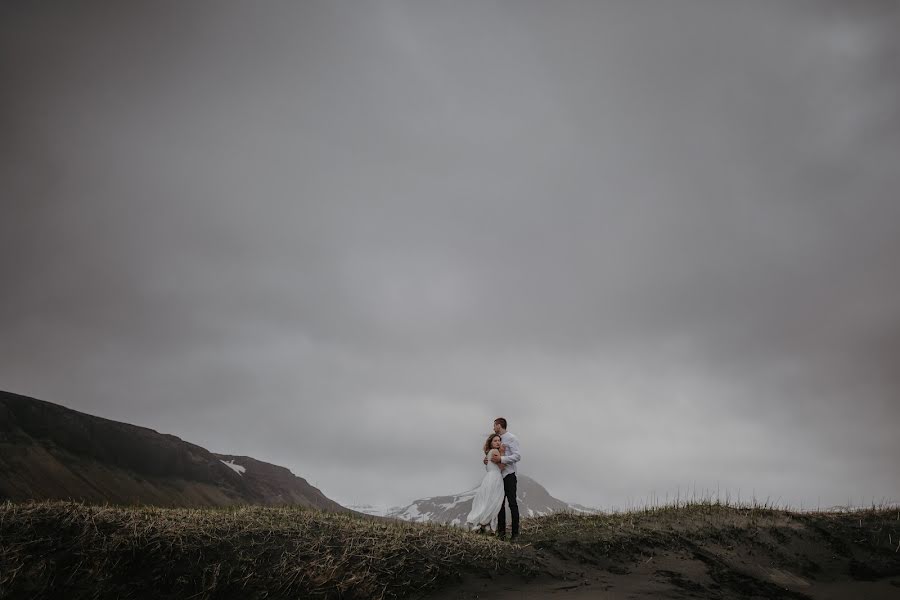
{"type": "Point", "coordinates": [488, 499]}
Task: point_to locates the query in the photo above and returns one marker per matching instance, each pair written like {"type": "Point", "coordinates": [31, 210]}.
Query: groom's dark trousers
{"type": "Point", "coordinates": [509, 487]}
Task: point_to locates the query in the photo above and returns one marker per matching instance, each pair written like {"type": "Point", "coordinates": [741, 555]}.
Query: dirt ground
{"type": "Point", "coordinates": [676, 577]}
{"type": "Point", "coordinates": [783, 556]}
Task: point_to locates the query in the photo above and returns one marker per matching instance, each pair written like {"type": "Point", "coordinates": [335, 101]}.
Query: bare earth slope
{"type": "Point", "coordinates": [51, 452]}
{"type": "Point", "coordinates": [706, 551]}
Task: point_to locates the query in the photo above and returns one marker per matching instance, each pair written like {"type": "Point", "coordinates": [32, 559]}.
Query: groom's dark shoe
{"type": "Point", "coordinates": [514, 539]}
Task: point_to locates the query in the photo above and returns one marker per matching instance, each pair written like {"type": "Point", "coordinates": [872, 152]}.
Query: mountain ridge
{"type": "Point", "coordinates": [51, 452]}
{"type": "Point", "coordinates": [534, 501]}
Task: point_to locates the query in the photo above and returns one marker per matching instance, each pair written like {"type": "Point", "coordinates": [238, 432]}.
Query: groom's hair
{"type": "Point", "coordinates": [502, 422]}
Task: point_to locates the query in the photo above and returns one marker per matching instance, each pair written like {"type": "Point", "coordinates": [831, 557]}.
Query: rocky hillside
{"type": "Point", "coordinates": [49, 452]}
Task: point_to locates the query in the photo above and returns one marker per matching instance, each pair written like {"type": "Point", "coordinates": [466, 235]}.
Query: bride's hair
{"type": "Point", "coordinates": [487, 444]}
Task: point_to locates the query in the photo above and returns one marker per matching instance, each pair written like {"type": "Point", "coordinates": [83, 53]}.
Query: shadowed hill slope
{"type": "Point", "coordinates": [50, 452]}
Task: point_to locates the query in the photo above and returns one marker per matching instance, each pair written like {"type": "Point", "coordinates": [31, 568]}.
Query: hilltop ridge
{"type": "Point", "coordinates": [54, 550]}
{"type": "Point", "coordinates": [50, 452]}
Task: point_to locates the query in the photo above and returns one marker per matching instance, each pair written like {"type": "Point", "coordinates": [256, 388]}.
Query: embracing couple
{"type": "Point", "coordinates": [501, 453]}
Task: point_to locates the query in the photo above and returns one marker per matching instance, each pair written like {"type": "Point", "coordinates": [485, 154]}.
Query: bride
{"type": "Point", "coordinates": [489, 497]}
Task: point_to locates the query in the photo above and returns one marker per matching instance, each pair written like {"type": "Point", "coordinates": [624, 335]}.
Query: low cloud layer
{"type": "Point", "coordinates": [343, 238]}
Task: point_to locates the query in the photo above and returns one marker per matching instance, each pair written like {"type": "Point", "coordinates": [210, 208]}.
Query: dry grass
{"type": "Point", "coordinates": [878, 526]}
{"type": "Point", "coordinates": [71, 550]}
{"type": "Point", "coordinates": [56, 549]}
{"type": "Point", "coordinates": [855, 545]}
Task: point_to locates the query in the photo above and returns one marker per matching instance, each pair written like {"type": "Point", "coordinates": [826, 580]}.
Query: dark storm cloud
{"type": "Point", "coordinates": [344, 237]}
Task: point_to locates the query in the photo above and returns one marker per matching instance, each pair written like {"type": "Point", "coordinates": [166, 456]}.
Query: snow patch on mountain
{"type": "Point", "coordinates": [234, 466]}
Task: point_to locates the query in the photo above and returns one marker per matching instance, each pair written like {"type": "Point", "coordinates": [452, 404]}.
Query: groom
{"type": "Point", "coordinates": [510, 457]}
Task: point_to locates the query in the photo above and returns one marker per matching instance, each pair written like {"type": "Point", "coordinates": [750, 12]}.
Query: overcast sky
{"type": "Point", "coordinates": [660, 238]}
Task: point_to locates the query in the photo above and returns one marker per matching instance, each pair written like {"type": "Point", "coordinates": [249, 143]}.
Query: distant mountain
{"type": "Point", "coordinates": [534, 501]}
{"type": "Point", "coordinates": [370, 509]}
{"type": "Point", "coordinates": [49, 452]}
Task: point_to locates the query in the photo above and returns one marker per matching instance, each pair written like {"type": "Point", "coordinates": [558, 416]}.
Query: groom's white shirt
{"type": "Point", "coordinates": [512, 456]}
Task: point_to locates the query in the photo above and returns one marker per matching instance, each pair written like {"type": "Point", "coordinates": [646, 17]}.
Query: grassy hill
{"type": "Point", "coordinates": [72, 550]}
